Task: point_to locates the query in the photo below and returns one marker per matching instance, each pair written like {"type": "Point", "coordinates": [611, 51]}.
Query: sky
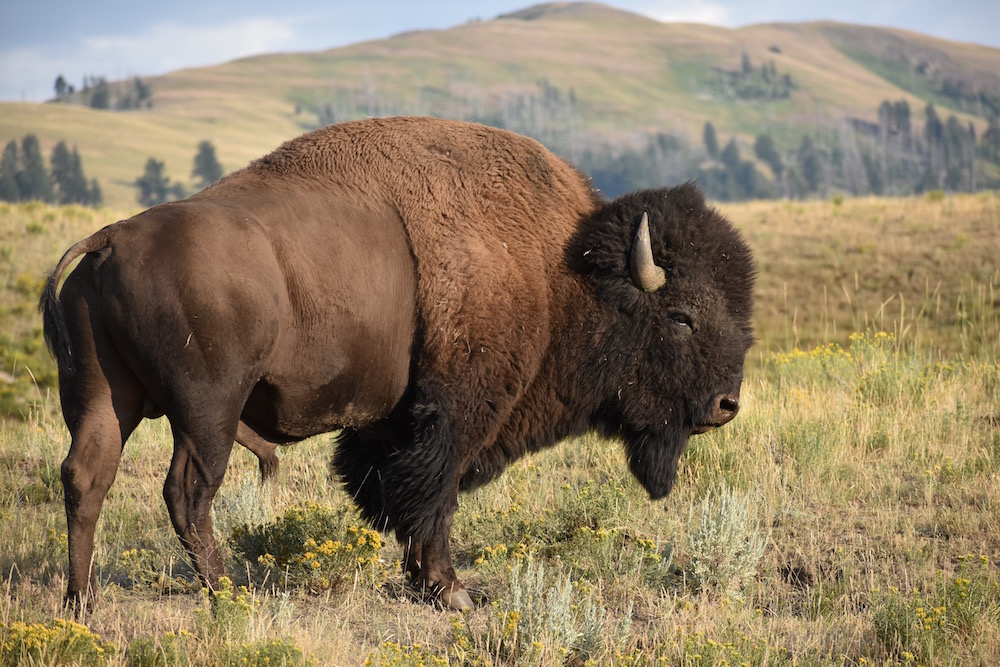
{"type": "Point", "coordinates": [41, 39]}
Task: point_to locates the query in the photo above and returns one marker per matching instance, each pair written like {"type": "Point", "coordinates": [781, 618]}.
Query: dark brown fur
{"type": "Point", "coordinates": [451, 295]}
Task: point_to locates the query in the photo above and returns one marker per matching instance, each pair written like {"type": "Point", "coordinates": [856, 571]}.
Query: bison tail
{"type": "Point", "coordinates": [53, 320]}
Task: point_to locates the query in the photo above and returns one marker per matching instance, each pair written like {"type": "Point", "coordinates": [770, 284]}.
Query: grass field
{"type": "Point", "coordinates": [848, 516]}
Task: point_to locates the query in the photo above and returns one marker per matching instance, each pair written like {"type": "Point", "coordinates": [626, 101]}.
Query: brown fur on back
{"type": "Point", "coordinates": [488, 214]}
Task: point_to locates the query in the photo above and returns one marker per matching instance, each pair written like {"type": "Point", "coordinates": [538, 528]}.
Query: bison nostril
{"type": "Point", "coordinates": [729, 404]}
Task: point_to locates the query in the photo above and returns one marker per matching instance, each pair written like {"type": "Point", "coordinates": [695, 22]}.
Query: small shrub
{"type": "Point", "coordinates": [553, 530]}
{"type": "Point", "coordinates": [312, 548]}
{"type": "Point", "coordinates": [177, 650]}
{"type": "Point", "coordinates": [146, 570]}
{"type": "Point", "coordinates": [614, 552]}
{"type": "Point", "coordinates": [727, 543]}
{"type": "Point", "coordinates": [803, 442]}
{"type": "Point", "coordinates": [390, 654]}
{"type": "Point", "coordinates": [537, 621]}
{"type": "Point", "coordinates": [541, 620]}
{"type": "Point", "coordinates": [919, 626]}
{"type": "Point", "coordinates": [531, 624]}
{"type": "Point", "coordinates": [733, 648]}
{"type": "Point", "coordinates": [170, 650]}
{"type": "Point", "coordinates": [246, 505]}
{"type": "Point", "coordinates": [886, 377]}
{"type": "Point", "coordinates": [56, 642]}
{"type": "Point", "coordinates": [268, 653]}
{"type": "Point", "coordinates": [597, 641]}
{"type": "Point", "coordinates": [224, 627]}
{"type": "Point", "coordinates": [228, 613]}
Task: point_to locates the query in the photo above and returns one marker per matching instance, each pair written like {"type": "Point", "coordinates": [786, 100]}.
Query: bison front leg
{"type": "Point", "coordinates": [196, 473]}
{"type": "Point", "coordinates": [403, 475]}
{"type": "Point", "coordinates": [435, 572]}
{"type": "Point", "coordinates": [421, 497]}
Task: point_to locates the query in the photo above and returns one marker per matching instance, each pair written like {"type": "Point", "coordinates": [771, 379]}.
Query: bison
{"type": "Point", "coordinates": [449, 296]}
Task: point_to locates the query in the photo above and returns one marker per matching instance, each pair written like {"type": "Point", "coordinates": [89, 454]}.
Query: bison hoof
{"type": "Point", "coordinates": [80, 605]}
{"type": "Point", "coordinates": [457, 599]}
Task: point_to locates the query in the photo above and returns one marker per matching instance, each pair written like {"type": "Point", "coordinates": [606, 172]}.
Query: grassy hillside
{"type": "Point", "coordinates": [848, 516]}
{"type": "Point", "coordinates": [580, 74]}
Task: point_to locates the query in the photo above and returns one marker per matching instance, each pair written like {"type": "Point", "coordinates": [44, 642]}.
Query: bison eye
{"type": "Point", "coordinates": [682, 320]}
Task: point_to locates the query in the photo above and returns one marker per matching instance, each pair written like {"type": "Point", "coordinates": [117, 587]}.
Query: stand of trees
{"type": "Point", "coordinates": [98, 93]}
{"type": "Point", "coordinates": [898, 155]}
{"type": "Point", "coordinates": [24, 177]}
{"type": "Point", "coordinates": [206, 165]}
{"type": "Point", "coordinates": [155, 187]}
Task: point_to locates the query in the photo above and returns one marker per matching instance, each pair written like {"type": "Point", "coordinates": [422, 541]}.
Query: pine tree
{"type": "Point", "coordinates": [94, 195]}
{"type": "Point", "coordinates": [154, 186]}
{"type": "Point", "coordinates": [810, 166]}
{"type": "Point", "coordinates": [100, 97]}
{"type": "Point", "coordinates": [143, 93]}
{"type": "Point", "coordinates": [9, 190]}
{"type": "Point", "coordinates": [990, 141]}
{"type": "Point", "coordinates": [32, 178]}
{"type": "Point", "coordinates": [61, 164]}
{"type": "Point", "coordinates": [206, 166]}
{"type": "Point", "coordinates": [711, 140]}
{"type": "Point", "coordinates": [731, 155]}
{"type": "Point", "coordinates": [768, 153]}
{"type": "Point", "coordinates": [67, 174]}
{"type": "Point", "coordinates": [78, 182]}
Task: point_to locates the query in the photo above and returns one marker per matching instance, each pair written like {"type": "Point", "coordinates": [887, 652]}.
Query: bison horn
{"type": "Point", "coordinates": [645, 273]}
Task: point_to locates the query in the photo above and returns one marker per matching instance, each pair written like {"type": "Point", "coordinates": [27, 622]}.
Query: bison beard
{"type": "Point", "coordinates": [653, 456]}
{"type": "Point", "coordinates": [449, 296]}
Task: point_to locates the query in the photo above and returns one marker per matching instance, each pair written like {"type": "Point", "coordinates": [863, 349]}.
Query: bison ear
{"type": "Point", "coordinates": [645, 273]}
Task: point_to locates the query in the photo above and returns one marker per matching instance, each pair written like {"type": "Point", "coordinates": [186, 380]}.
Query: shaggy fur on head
{"type": "Point", "coordinates": [674, 350]}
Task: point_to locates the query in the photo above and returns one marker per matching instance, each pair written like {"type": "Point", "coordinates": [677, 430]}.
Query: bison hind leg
{"type": "Point", "coordinates": [201, 455]}
{"type": "Point", "coordinates": [262, 448]}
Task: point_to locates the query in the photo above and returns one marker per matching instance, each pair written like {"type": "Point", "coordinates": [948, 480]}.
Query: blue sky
{"type": "Point", "coordinates": [40, 39]}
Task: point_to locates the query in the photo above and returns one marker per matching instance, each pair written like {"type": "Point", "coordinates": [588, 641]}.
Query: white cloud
{"type": "Point", "coordinates": [168, 46]}
{"type": "Point", "coordinates": [689, 11]}
{"type": "Point", "coordinates": [29, 73]}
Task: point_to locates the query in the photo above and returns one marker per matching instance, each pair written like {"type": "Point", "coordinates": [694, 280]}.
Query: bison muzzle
{"type": "Point", "coordinates": [450, 296]}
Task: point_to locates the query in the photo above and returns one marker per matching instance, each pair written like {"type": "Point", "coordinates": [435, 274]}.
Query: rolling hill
{"type": "Point", "coordinates": [578, 76]}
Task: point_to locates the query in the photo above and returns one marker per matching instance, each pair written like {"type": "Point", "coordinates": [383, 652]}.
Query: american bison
{"type": "Point", "coordinates": [450, 296]}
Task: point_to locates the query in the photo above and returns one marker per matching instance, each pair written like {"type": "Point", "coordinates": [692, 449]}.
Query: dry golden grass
{"type": "Point", "coordinates": [925, 268]}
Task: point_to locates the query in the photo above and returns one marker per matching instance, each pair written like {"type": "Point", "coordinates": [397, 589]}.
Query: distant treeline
{"type": "Point", "coordinates": [899, 154]}
{"type": "Point", "coordinates": [98, 93]}
{"type": "Point", "coordinates": [902, 152]}
{"type": "Point", "coordinates": [894, 156]}
{"type": "Point", "coordinates": [23, 175]}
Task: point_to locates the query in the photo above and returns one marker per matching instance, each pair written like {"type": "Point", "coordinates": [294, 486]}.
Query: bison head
{"type": "Point", "coordinates": [673, 281]}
